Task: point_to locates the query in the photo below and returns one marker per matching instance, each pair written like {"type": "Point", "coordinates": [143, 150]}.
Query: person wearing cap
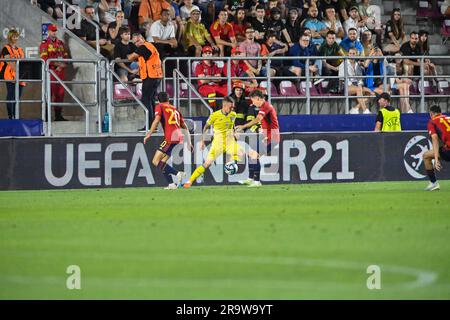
{"type": "Point", "coordinates": [238, 68]}
{"type": "Point", "coordinates": [187, 8]}
{"type": "Point", "coordinates": [196, 35]}
{"type": "Point", "coordinates": [276, 24]}
{"type": "Point", "coordinates": [388, 118]}
{"type": "Point", "coordinates": [354, 22]}
{"type": "Point", "coordinates": [223, 34]}
{"type": "Point", "coordinates": [211, 86]}
{"type": "Point", "coordinates": [53, 48]}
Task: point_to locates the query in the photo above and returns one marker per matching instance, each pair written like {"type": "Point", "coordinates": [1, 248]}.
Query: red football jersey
{"type": "Point", "coordinates": [440, 125]}
{"type": "Point", "coordinates": [209, 71]}
{"type": "Point", "coordinates": [269, 122]}
{"type": "Point", "coordinates": [171, 120]}
{"type": "Point", "coordinates": [225, 32]}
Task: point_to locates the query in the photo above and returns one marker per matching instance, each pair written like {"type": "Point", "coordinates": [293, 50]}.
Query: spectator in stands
{"type": "Point", "coordinates": [127, 6]}
{"type": "Point", "coordinates": [210, 86]}
{"type": "Point", "coordinates": [240, 25]}
{"type": "Point", "coordinates": [208, 9]}
{"type": "Point", "coordinates": [185, 10]}
{"type": "Point", "coordinates": [274, 24]}
{"type": "Point", "coordinates": [232, 6]}
{"type": "Point", "coordinates": [122, 49]}
{"type": "Point", "coordinates": [388, 118]}
{"type": "Point", "coordinates": [318, 28]}
{"type": "Point", "coordinates": [429, 67]}
{"type": "Point", "coordinates": [333, 23]}
{"type": "Point", "coordinates": [394, 36]}
{"type": "Point", "coordinates": [88, 34]}
{"type": "Point", "coordinates": [373, 70]}
{"type": "Point", "coordinates": [96, 4]}
{"type": "Point", "coordinates": [151, 10]}
{"type": "Point", "coordinates": [305, 5]}
{"type": "Point", "coordinates": [275, 48]}
{"type": "Point", "coordinates": [175, 19]}
{"type": "Point", "coordinates": [223, 34]}
{"type": "Point", "coordinates": [445, 8]}
{"type": "Point", "coordinates": [108, 15]}
{"type": "Point", "coordinates": [8, 70]}
{"type": "Point", "coordinates": [330, 67]}
{"type": "Point", "coordinates": [412, 48]}
{"type": "Point", "coordinates": [150, 71]}
{"type": "Point", "coordinates": [260, 24]}
{"type": "Point", "coordinates": [293, 25]}
{"type": "Point", "coordinates": [53, 48]}
{"type": "Point", "coordinates": [371, 21]}
{"type": "Point", "coordinates": [51, 8]}
{"type": "Point", "coordinates": [400, 85]}
{"type": "Point", "coordinates": [355, 85]}
{"type": "Point", "coordinates": [351, 41]}
{"type": "Point", "coordinates": [114, 27]}
{"type": "Point", "coordinates": [325, 4]}
{"type": "Point", "coordinates": [238, 68]}
{"type": "Point", "coordinates": [366, 41]}
{"type": "Point", "coordinates": [344, 6]}
{"type": "Point", "coordinates": [196, 35]}
{"type": "Point", "coordinates": [304, 49]}
{"type": "Point", "coordinates": [250, 48]}
{"type": "Point", "coordinates": [354, 21]}
{"type": "Point", "coordinates": [162, 36]}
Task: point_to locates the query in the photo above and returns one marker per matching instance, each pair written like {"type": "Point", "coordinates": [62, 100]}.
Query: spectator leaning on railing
{"type": "Point", "coordinates": [121, 51]}
{"type": "Point", "coordinates": [8, 70]}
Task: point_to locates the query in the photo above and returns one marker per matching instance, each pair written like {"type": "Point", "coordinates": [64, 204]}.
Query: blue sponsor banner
{"type": "Point", "coordinates": [21, 128]}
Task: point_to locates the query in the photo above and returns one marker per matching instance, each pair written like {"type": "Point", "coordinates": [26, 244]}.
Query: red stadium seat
{"type": "Point", "coordinates": [169, 88]}
{"type": "Point", "coordinates": [288, 89]}
{"type": "Point", "coordinates": [425, 10]}
{"type": "Point", "coordinates": [121, 93]}
{"type": "Point", "coordinates": [324, 90]}
{"type": "Point", "coordinates": [273, 88]}
{"type": "Point", "coordinates": [428, 89]}
{"type": "Point", "coordinates": [312, 89]}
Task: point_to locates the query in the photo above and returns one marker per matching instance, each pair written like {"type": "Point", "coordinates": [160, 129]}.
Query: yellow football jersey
{"type": "Point", "coordinates": [223, 124]}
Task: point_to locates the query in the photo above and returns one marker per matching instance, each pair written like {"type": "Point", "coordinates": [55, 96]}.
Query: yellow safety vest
{"type": "Point", "coordinates": [391, 120]}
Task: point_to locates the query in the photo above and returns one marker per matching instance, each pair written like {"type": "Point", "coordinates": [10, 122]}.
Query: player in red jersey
{"type": "Point", "coordinates": [172, 122]}
{"type": "Point", "coordinates": [267, 116]}
{"type": "Point", "coordinates": [439, 129]}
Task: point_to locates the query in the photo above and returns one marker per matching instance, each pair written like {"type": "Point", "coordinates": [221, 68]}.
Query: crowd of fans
{"type": "Point", "coordinates": [264, 28]}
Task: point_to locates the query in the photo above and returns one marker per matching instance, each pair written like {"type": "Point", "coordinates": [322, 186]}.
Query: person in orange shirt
{"type": "Point", "coordinates": [8, 70]}
{"type": "Point", "coordinates": [151, 10]}
{"type": "Point", "coordinates": [150, 71]}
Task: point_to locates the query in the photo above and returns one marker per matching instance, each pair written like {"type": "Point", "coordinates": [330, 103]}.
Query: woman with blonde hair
{"type": "Point", "coordinates": [8, 70]}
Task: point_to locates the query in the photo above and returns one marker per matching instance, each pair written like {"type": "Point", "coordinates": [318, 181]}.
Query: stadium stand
{"type": "Point", "coordinates": [94, 89]}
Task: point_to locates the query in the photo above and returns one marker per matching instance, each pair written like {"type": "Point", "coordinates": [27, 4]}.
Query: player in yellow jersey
{"type": "Point", "coordinates": [224, 140]}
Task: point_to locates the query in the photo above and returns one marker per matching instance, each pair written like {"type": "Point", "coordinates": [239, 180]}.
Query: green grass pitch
{"type": "Point", "coordinates": [312, 241]}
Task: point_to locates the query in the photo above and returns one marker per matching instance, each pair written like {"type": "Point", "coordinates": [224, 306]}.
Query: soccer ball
{"type": "Point", "coordinates": [230, 168]}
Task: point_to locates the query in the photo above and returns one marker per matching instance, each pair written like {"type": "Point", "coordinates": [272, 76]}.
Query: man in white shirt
{"type": "Point", "coordinates": [162, 35]}
{"type": "Point", "coordinates": [354, 22]}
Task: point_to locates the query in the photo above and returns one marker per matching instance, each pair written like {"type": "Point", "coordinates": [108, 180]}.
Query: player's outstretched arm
{"type": "Point", "coordinates": [152, 128]}
{"type": "Point", "coordinates": [250, 124]}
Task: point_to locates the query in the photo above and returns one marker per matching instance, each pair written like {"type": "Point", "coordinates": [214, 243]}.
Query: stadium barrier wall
{"type": "Point", "coordinates": [66, 163]}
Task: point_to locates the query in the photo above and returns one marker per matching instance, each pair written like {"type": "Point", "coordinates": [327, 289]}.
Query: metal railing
{"type": "Point", "coordinates": [77, 11]}
{"type": "Point", "coordinates": [308, 98]}
{"type": "Point", "coordinates": [110, 92]}
{"type": "Point", "coordinates": [17, 99]}
{"type": "Point", "coordinates": [84, 106]}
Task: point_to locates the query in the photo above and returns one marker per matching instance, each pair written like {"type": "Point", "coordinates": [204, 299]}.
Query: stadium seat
{"type": "Point", "coordinates": [169, 88]}
{"type": "Point", "coordinates": [428, 89]}
{"type": "Point", "coordinates": [288, 89]}
{"type": "Point", "coordinates": [121, 93]}
{"type": "Point", "coordinates": [445, 31]}
{"type": "Point", "coordinates": [138, 91]}
{"type": "Point", "coordinates": [312, 89]}
{"type": "Point", "coordinates": [273, 88]}
{"type": "Point", "coordinates": [425, 10]}
{"type": "Point", "coordinates": [444, 87]}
